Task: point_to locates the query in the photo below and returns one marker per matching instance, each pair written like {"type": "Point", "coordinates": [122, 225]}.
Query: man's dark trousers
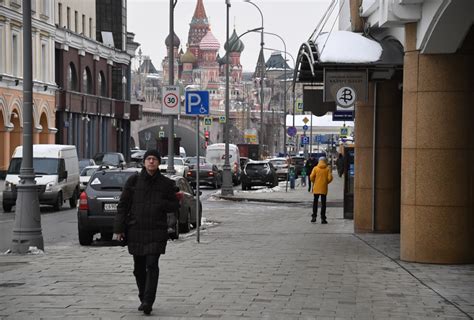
{"type": "Point", "coordinates": [323, 206]}
{"type": "Point", "coordinates": [146, 273]}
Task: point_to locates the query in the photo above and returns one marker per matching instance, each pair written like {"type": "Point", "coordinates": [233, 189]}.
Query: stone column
{"type": "Point", "coordinates": [388, 150]}
{"type": "Point", "coordinates": [437, 186]}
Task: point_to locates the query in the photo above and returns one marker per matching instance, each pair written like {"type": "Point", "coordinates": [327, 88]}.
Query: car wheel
{"type": "Point", "coordinates": [184, 227]}
{"type": "Point", "coordinates": [7, 207]}
{"type": "Point", "coordinates": [59, 202]}
{"type": "Point", "coordinates": [193, 224]}
{"type": "Point", "coordinates": [85, 237]}
{"type": "Point", "coordinates": [216, 185]}
{"type": "Point", "coordinates": [244, 186]}
{"type": "Point", "coordinates": [73, 199]}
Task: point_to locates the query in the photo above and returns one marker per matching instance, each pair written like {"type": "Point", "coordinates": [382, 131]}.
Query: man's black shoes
{"type": "Point", "coordinates": [146, 308]}
{"type": "Point", "coordinates": [140, 308]}
{"type": "Point", "coordinates": [313, 219]}
{"type": "Point", "coordinates": [324, 222]}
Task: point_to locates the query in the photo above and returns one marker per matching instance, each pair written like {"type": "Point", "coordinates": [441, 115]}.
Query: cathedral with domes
{"type": "Point", "coordinates": [200, 65]}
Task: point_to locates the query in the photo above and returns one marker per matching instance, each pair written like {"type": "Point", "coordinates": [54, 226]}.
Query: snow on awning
{"type": "Point", "coordinates": [347, 47]}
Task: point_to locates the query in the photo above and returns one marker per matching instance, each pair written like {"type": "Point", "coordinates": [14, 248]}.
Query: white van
{"type": "Point", "coordinates": [182, 152]}
{"type": "Point", "coordinates": [215, 154]}
{"type": "Point", "coordinates": [57, 175]}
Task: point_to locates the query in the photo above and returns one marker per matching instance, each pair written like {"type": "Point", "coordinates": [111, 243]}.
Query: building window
{"type": "Point", "coordinates": [68, 18]}
{"type": "Point", "coordinates": [87, 81]}
{"type": "Point", "coordinates": [84, 25]}
{"type": "Point", "coordinates": [15, 55]}
{"type": "Point", "coordinates": [60, 15]}
{"type": "Point", "coordinates": [45, 8]}
{"type": "Point", "coordinates": [76, 22]}
{"type": "Point", "coordinates": [90, 27]}
{"type": "Point", "coordinates": [44, 62]}
{"type": "Point", "coordinates": [102, 85]}
{"type": "Point", "coordinates": [71, 78]}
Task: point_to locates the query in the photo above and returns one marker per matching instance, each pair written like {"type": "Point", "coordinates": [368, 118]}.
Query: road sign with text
{"type": "Point", "coordinates": [171, 102]}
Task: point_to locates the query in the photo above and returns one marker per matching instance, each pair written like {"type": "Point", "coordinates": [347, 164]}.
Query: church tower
{"type": "Point", "coordinates": [199, 27]}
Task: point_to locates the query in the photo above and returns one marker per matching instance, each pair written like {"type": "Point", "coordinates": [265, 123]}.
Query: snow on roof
{"type": "Point", "coordinates": [347, 47]}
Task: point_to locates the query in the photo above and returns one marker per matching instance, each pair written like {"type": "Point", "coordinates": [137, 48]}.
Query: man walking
{"type": "Point", "coordinates": [321, 177]}
{"type": "Point", "coordinates": [142, 211]}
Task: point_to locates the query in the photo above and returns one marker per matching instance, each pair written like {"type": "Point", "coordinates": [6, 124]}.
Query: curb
{"type": "Point", "coordinates": [233, 198]}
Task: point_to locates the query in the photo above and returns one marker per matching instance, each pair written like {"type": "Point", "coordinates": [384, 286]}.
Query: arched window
{"type": "Point", "coordinates": [87, 81]}
{"type": "Point", "coordinates": [71, 78]}
{"type": "Point", "coordinates": [102, 85]}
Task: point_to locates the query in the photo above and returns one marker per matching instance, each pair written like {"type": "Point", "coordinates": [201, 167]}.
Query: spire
{"type": "Point", "coordinates": [199, 25]}
{"type": "Point", "coordinates": [260, 68]}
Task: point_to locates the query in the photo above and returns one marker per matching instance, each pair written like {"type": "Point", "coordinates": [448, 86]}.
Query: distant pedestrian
{"type": "Point", "coordinates": [340, 165]}
{"type": "Point", "coordinates": [310, 164]}
{"type": "Point", "coordinates": [303, 176]}
{"type": "Point", "coordinates": [321, 177]}
{"type": "Point", "coordinates": [142, 212]}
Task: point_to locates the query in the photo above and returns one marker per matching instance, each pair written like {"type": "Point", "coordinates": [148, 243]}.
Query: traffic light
{"type": "Point", "coordinates": [206, 138]}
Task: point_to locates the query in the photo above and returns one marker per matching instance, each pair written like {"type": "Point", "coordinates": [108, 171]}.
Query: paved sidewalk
{"type": "Point", "coordinates": [254, 261]}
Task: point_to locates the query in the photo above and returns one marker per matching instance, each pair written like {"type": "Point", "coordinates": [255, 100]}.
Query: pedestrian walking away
{"type": "Point", "coordinates": [340, 165]}
{"type": "Point", "coordinates": [321, 177]}
{"type": "Point", "coordinates": [310, 164]}
{"type": "Point", "coordinates": [142, 221]}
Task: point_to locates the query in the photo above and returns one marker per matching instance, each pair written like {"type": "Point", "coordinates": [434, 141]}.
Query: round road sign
{"type": "Point", "coordinates": [170, 100]}
{"type": "Point", "coordinates": [291, 131]}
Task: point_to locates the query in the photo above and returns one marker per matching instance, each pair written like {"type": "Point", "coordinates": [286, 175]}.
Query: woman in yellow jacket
{"type": "Point", "coordinates": [321, 176]}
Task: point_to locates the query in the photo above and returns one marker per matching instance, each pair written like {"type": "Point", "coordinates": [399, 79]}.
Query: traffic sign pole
{"type": "Point", "coordinates": [197, 182]}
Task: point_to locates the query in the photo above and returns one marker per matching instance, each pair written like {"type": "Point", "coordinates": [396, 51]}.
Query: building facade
{"type": "Point", "coordinates": [11, 75]}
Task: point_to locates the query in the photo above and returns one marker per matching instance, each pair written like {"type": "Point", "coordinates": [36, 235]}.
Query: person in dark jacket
{"type": "Point", "coordinates": [142, 210]}
{"type": "Point", "coordinates": [310, 164]}
{"type": "Point", "coordinates": [340, 165]}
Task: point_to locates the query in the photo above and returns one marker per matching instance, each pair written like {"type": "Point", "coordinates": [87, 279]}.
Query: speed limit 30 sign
{"type": "Point", "coordinates": [171, 102]}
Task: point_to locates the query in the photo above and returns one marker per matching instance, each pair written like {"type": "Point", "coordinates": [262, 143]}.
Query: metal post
{"type": "Point", "coordinates": [197, 182]}
{"type": "Point", "coordinates": [27, 230]}
{"type": "Point", "coordinates": [170, 168]}
{"type": "Point", "coordinates": [227, 188]}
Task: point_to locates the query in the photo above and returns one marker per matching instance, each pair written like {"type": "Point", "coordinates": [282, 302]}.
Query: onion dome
{"type": "Point", "coordinates": [176, 41]}
{"type": "Point", "coordinates": [209, 42]}
{"type": "Point", "coordinates": [188, 57]}
{"type": "Point", "coordinates": [235, 44]}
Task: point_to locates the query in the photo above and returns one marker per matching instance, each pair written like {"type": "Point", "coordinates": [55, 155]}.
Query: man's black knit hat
{"type": "Point", "coordinates": [152, 152]}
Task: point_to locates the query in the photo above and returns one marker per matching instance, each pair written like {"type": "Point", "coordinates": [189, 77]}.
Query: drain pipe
{"type": "Point", "coordinates": [374, 157]}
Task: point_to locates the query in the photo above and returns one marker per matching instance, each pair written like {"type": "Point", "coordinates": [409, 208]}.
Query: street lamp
{"type": "Point", "coordinates": [262, 43]}
{"type": "Point", "coordinates": [27, 230]}
{"type": "Point", "coordinates": [227, 188]}
{"type": "Point", "coordinates": [170, 168]}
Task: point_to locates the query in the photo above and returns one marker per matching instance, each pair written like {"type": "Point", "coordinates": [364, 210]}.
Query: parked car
{"type": "Point", "coordinates": [187, 210]}
{"type": "Point", "coordinates": [281, 167]}
{"type": "Point", "coordinates": [98, 204]}
{"type": "Point", "coordinates": [208, 175]}
{"type": "Point", "coordinates": [85, 176]}
{"type": "Point", "coordinates": [85, 163]}
{"type": "Point", "coordinates": [115, 159]}
{"type": "Point", "coordinates": [137, 155]}
{"type": "Point", "coordinates": [179, 166]}
{"type": "Point", "coordinates": [259, 173]}
{"type": "Point", "coordinates": [191, 161]}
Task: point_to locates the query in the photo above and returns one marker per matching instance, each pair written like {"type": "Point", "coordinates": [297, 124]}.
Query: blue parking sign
{"type": "Point", "coordinates": [305, 140]}
{"type": "Point", "coordinates": [197, 102]}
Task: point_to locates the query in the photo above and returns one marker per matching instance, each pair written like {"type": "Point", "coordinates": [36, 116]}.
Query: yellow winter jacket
{"type": "Point", "coordinates": [321, 176]}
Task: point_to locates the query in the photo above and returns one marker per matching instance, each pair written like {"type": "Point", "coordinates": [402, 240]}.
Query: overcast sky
{"type": "Point", "coordinates": [293, 20]}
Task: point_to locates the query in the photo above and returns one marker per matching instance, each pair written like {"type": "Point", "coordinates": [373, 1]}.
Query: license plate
{"type": "Point", "coordinates": [110, 207]}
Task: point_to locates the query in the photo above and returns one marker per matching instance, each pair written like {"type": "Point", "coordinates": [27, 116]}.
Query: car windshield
{"type": "Point", "coordinates": [87, 172]}
{"type": "Point", "coordinates": [257, 166]}
{"type": "Point", "coordinates": [113, 180]}
{"type": "Point", "coordinates": [194, 160]}
{"type": "Point", "coordinates": [40, 165]}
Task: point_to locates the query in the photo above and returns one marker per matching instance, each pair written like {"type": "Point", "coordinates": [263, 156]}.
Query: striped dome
{"type": "Point", "coordinates": [209, 42]}
{"type": "Point", "coordinates": [235, 44]}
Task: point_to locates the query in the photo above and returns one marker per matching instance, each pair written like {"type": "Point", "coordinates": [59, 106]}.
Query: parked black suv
{"type": "Point", "coordinates": [259, 173]}
{"type": "Point", "coordinates": [115, 159]}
